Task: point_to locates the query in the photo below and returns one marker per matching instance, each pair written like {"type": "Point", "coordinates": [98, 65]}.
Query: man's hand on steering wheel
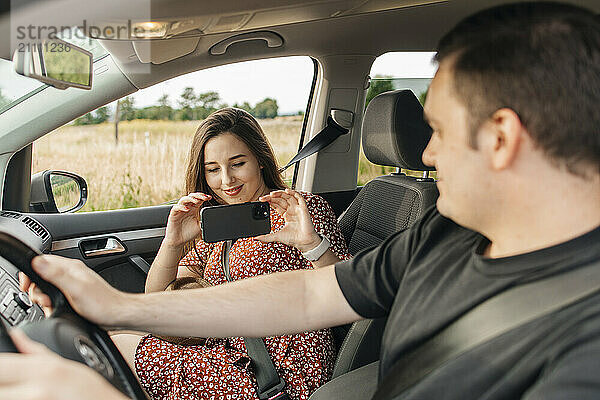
{"type": "Point", "coordinates": [54, 377]}
{"type": "Point", "coordinates": [89, 295]}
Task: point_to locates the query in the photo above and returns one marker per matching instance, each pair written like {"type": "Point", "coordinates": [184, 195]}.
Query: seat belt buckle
{"type": "Point", "coordinates": [276, 393]}
{"type": "Point", "coordinates": [280, 396]}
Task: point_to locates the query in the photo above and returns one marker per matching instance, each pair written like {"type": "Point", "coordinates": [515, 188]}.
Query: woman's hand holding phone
{"type": "Point", "coordinates": [298, 230]}
{"type": "Point", "coordinates": [183, 224]}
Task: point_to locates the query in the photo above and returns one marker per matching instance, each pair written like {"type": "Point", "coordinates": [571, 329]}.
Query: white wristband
{"type": "Point", "coordinates": [317, 252]}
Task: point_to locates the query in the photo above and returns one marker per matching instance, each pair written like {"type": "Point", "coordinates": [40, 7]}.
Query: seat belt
{"type": "Point", "coordinates": [270, 385]}
{"type": "Point", "coordinates": [321, 140]}
{"type": "Point", "coordinates": [492, 318]}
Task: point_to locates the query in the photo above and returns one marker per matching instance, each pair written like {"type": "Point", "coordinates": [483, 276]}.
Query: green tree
{"type": "Point", "coordinates": [163, 101]}
{"type": "Point", "coordinates": [188, 102]}
{"type": "Point", "coordinates": [126, 109]}
{"type": "Point", "coordinates": [98, 116]}
{"type": "Point", "coordinates": [379, 84]}
{"type": "Point", "coordinates": [245, 106]}
{"type": "Point", "coordinates": [86, 119]}
{"type": "Point", "coordinates": [165, 111]}
{"type": "Point", "coordinates": [206, 104]}
{"type": "Point", "coordinates": [267, 108]}
{"type": "Point", "coordinates": [423, 97]}
{"type": "Point", "coordinates": [3, 100]}
{"type": "Point", "coordinates": [150, 112]}
{"type": "Point", "coordinates": [208, 99]}
{"type": "Point", "coordinates": [188, 98]}
{"type": "Point", "coordinates": [102, 114]}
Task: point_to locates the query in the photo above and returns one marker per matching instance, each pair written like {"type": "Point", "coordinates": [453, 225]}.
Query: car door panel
{"type": "Point", "coordinates": [65, 226]}
{"type": "Point", "coordinates": [139, 231]}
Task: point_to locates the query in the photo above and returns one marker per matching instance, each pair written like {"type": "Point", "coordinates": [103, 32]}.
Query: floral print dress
{"type": "Point", "coordinates": [220, 368]}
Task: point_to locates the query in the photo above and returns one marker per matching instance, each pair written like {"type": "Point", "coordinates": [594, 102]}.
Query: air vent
{"type": "Point", "coordinates": [36, 228]}
{"type": "Point", "coordinates": [9, 214]}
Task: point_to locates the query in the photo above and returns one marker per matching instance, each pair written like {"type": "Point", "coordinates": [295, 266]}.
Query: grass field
{"type": "Point", "coordinates": [148, 164]}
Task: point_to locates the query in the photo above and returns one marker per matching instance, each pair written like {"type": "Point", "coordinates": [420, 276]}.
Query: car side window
{"type": "Point", "coordinates": [139, 158]}
{"type": "Point", "coordinates": [393, 71]}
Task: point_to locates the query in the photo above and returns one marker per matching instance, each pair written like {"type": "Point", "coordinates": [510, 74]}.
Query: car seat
{"type": "Point", "coordinates": [394, 133]}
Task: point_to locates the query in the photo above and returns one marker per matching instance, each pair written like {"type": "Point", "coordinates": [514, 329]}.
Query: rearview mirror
{"type": "Point", "coordinates": [55, 62]}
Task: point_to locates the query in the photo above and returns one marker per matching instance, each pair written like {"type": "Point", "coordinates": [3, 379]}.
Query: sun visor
{"type": "Point", "coordinates": [161, 51]}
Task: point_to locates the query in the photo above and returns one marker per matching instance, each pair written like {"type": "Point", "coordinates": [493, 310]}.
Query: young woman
{"type": "Point", "coordinates": [232, 162]}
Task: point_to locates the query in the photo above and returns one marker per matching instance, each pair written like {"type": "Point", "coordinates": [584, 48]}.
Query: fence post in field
{"type": "Point", "coordinates": [117, 123]}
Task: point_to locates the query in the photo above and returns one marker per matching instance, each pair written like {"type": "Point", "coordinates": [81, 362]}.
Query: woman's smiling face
{"type": "Point", "coordinates": [232, 171]}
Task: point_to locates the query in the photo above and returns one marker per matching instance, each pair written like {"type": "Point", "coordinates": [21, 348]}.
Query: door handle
{"type": "Point", "coordinates": [102, 247]}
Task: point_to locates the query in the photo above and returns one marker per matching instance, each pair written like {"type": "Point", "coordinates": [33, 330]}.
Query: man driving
{"type": "Point", "coordinates": [513, 108]}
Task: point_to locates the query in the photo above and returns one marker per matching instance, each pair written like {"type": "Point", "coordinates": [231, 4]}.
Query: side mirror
{"type": "Point", "coordinates": [55, 62]}
{"type": "Point", "coordinates": [57, 192]}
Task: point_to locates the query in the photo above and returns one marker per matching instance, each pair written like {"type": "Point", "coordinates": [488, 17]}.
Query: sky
{"type": "Point", "coordinates": [285, 79]}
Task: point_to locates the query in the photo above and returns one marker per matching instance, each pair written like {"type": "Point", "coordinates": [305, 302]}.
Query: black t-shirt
{"type": "Point", "coordinates": [427, 276]}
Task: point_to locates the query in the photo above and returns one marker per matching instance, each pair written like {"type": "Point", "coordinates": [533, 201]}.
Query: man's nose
{"type": "Point", "coordinates": [428, 156]}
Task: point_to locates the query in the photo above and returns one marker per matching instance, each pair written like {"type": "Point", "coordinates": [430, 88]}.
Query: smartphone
{"type": "Point", "coordinates": [234, 221]}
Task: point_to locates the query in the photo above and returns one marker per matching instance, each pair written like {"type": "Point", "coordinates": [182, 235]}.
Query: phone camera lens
{"type": "Point", "coordinates": [261, 211]}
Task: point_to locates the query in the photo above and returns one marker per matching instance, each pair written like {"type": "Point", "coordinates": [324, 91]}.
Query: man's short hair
{"type": "Point", "coordinates": [542, 60]}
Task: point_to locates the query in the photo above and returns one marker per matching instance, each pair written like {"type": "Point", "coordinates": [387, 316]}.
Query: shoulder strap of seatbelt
{"type": "Point", "coordinates": [270, 385]}
{"type": "Point", "coordinates": [321, 140]}
{"type": "Point", "coordinates": [492, 318]}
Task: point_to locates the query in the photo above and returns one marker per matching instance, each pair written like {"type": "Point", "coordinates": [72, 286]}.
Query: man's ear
{"type": "Point", "coordinates": [504, 137]}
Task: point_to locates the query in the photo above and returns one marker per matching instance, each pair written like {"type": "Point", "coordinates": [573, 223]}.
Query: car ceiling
{"type": "Point", "coordinates": [315, 28]}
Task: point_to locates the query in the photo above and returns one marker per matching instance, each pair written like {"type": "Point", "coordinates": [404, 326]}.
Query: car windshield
{"type": "Point", "coordinates": [15, 88]}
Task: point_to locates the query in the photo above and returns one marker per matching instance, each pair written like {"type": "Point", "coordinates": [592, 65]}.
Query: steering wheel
{"type": "Point", "coordinates": [6, 343]}
{"type": "Point", "coordinates": [65, 332]}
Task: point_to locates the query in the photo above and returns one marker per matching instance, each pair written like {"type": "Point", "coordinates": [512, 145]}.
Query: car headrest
{"type": "Point", "coordinates": [394, 132]}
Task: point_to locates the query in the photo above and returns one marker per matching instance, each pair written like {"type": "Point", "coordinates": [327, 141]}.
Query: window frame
{"type": "Point", "coordinates": [301, 137]}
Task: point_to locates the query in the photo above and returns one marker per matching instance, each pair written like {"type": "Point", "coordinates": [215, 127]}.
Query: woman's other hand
{"type": "Point", "coordinates": [184, 222]}
{"type": "Point", "coordinates": [298, 230]}
{"type": "Point", "coordinates": [183, 226]}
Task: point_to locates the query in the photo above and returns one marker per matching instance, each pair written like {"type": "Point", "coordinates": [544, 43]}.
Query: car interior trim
{"type": "Point", "coordinates": [123, 236]}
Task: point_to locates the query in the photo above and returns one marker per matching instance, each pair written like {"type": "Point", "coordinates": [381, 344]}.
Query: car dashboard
{"type": "Point", "coordinates": [15, 305]}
